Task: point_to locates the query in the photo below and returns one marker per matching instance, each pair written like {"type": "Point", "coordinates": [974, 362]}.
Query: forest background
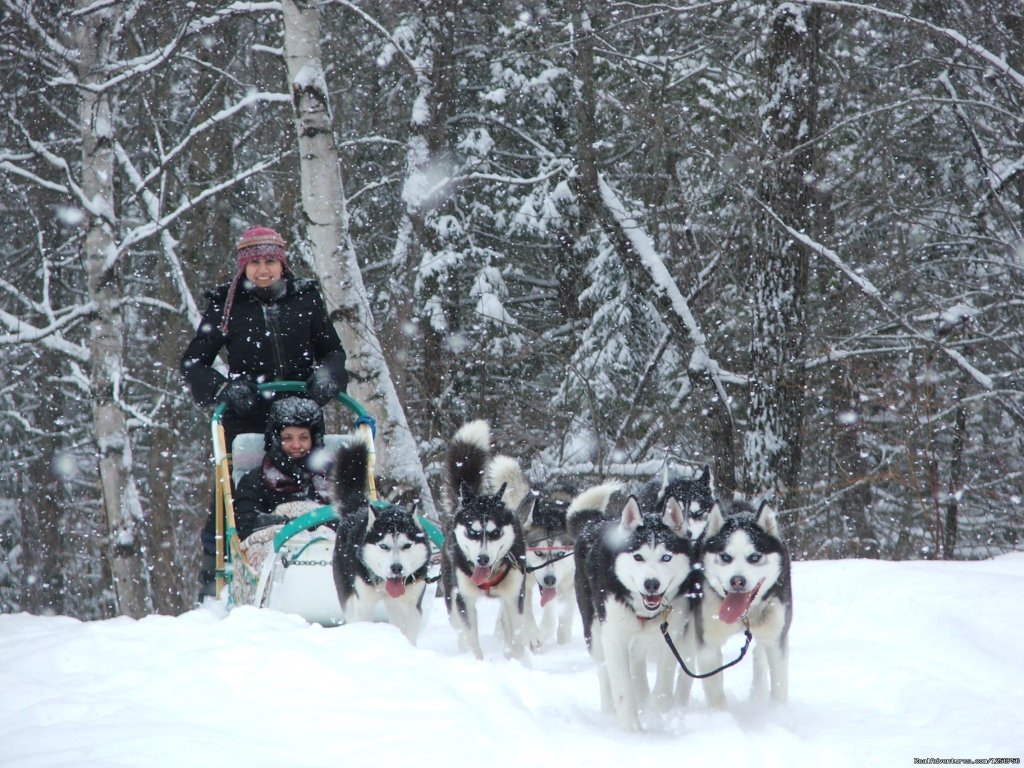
{"type": "Point", "coordinates": [779, 238]}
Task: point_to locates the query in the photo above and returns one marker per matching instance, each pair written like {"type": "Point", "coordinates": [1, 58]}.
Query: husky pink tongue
{"type": "Point", "coordinates": [481, 575]}
{"type": "Point", "coordinates": [395, 586]}
{"type": "Point", "coordinates": [547, 594]}
{"type": "Point", "coordinates": [735, 605]}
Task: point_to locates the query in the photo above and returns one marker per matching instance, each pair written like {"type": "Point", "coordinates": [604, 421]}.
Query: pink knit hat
{"type": "Point", "coordinates": [255, 243]}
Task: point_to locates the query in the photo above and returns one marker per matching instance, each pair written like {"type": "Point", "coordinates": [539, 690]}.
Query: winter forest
{"type": "Point", "coordinates": [783, 239]}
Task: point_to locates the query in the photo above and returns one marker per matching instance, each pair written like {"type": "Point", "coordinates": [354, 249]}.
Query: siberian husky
{"type": "Point", "coordinates": [744, 582]}
{"type": "Point", "coordinates": [694, 492]}
{"type": "Point", "coordinates": [381, 554]}
{"type": "Point", "coordinates": [549, 557]}
{"type": "Point", "coordinates": [630, 571]}
{"type": "Point", "coordinates": [484, 553]}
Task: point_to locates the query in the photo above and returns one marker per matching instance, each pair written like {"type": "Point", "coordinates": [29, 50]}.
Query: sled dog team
{"type": "Point", "coordinates": [643, 565]}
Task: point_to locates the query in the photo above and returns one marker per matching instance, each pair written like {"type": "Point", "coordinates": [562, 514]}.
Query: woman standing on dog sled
{"type": "Point", "coordinates": [292, 470]}
{"type": "Point", "coordinates": [273, 326]}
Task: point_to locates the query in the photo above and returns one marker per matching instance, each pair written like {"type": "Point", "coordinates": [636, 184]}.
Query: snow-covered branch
{"type": "Point", "coordinates": [997, 62]}
{"type": "Point", "coordinates": [249, 100]}
{"type": "Point", "coordinates": [414, 67]}
{"type": "Point", "coordinates": [50, 336]}
{"type": "Point", "coordinates": [664, 286]}
{"type": "Point", "coordinates": [871, 291]}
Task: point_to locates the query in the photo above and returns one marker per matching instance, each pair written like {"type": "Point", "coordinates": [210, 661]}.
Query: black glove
{"type": "Point", "coordinates": [240, 396]}
{"type": "Point", "coordinates": [264, 520]}
{"type": "Point", "coordinates": [321, 387]}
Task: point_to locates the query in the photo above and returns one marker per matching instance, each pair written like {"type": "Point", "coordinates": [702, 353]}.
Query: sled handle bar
{"type": "Point", "coordinates": [299, 388]}
{"type": "Point", "coordinates": [326, 513]}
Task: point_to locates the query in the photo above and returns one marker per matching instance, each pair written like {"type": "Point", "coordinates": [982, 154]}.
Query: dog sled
{"type": "Point", "coordinates": [288, 568]}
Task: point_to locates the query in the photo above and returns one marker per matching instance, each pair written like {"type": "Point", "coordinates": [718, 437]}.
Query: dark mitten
{"type": "Point", "coordinates": [322, 387]}
{"type": "Point", "coordinates": [240, 396]}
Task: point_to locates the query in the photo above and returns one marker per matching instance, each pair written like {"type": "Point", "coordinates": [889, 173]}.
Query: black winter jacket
{"type": "Point", "coordinates": [282, 340]}
{"type": "Point", "coordinates": [261, 489]}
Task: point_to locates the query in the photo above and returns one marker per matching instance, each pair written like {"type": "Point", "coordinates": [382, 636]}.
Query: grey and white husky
{"type": "Point", "coordinates": [630, 572]}
{"type": "Point", "coordinates": [695, 492]}
{"type": "Point", "coordinates": [744, 571]}
{"type": "Point", "coordinates": [484, 552]}
{"type": "Point", "coordinates": [550, 566]}
{"type": "Point", "coordinates": [381, 554]}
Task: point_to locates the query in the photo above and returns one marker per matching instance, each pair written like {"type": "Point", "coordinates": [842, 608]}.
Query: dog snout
{"type": "Point", "coordinates": [483, 560]}
{"type": "Point", "coordinates": [738, 584]}
{"type": "Point", "coordinates": [396, 569]}
{"type": "Point", "coordinates": [548, 581]}
{"type": "Point", "coordinates": [653, 586]}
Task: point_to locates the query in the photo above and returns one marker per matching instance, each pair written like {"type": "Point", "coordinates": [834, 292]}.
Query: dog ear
{"type": "Point", "coordinates": [715, 520]}
{"type": "Point", "coordinates": [766, 519]}
{"type": "Point", "coordinates": [674, 517]}
{"type": "Point", "coordinates": [708, 479]}
{"type": "Point", "coordinates": [413, 513]}
{"type": "Point", "coordinates": [526, 509]}
{"type": "Point", "coordinates": [631, 515]}
{"type": "Point", "coordinates": [370, 517]}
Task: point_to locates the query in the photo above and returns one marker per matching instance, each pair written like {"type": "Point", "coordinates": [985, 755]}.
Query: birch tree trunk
{"type": "Point", "coordinates": [326, 220]}
{"type": "Point", "coordinates": [123, 512]}
{"type": "Point", "coordinates": [777, 378]}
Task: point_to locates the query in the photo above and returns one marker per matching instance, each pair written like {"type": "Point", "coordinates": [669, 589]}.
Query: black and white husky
{"type": "Point", "coordinates": [630, 570]}
{"type": "Point", "coordinates": [484, 553]}
{"type": "Point", "coordinates": [744, 582]}
{"type": "Point", "coordinates": [694, 491]}
{"type": "Point", "coordinates": [381, 553]}
{"type": "Point", "coordinates": [550, 566]}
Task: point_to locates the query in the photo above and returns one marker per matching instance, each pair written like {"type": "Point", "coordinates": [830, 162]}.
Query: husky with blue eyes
{"type": "Point", "coordinates": [744, 583]}
{"type": "Point", "coordinates": [381, 553]}
{"type": "Point", "coordinates": [484, 553]}
{"type": "Point", "coordinates": [631, 573]}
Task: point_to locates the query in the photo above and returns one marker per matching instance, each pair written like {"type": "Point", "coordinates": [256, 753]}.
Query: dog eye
{"type": "Point", "coordinates": [494, 535]}
{"type": "Point", "coordinates": [666, 558]}
{"type": "Point", "coordinates": [384, 546]}
{"type": "Point", "coordinates": [407, 546]}
{"type": "Point", "coordinates": [638, 557]}
{"type": "Point", "coordinates": [725, 558]}
{"type": "Point", "coordinates": [754, 558]}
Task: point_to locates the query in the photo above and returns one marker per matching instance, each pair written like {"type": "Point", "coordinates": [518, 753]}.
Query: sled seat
{"type": "Point", "coordinates": [247, 451]}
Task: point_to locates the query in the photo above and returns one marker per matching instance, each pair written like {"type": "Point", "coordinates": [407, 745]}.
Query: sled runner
{"type": "Point", "coordinates": [287, 568]}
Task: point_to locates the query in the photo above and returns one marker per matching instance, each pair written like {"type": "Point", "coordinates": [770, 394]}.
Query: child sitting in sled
{"type": "Point", "coordinates": [292, 480]}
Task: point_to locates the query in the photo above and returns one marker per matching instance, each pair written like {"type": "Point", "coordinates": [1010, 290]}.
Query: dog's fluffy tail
{"type": "Point", "coordinates": [350, 473]}
{"type": "Point", "coordinates": [505, 471]}
{"type": "Point", "coordinates": [589, 507]}
{"type": "Point", "coordinates": [468, 455]}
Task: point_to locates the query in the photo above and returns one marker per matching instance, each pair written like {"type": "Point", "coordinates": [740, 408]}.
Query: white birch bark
{"type": "Point", "coordinates": [323, 205]}
{"type": "Point", "coordinates": [121, 502]}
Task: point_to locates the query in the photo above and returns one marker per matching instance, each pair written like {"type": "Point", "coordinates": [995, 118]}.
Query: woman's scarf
{"type": "Point", "coordinates": [285, 475]}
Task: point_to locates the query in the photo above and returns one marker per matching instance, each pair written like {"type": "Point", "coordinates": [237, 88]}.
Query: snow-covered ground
{"type": "Point", "coordinates": [889, 662]}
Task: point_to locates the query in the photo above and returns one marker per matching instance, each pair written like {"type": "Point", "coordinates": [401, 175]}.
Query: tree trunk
{"type": "Point", "coordinates": [43, 579]}
{"type": "Point", "coordinates": [850, 528]}
{"type": "Point", "coordinates": [326, 220]}
{"type": "Point", "coordinates": [107, 365]}
{"type": "Point", "coordinates": [956, 474]}
{"type": "Point", "coordinates": [774, 438]}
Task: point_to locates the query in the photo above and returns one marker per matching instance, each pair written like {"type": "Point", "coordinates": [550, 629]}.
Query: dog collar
{"type": "Point", "coordinates": [487, 586]}
{"type": "Point", "coordinates": [663, 612]}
